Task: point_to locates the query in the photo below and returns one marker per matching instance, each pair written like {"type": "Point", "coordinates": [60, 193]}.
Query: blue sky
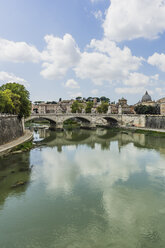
{"type": "Point", "coordinates": [61, 48]}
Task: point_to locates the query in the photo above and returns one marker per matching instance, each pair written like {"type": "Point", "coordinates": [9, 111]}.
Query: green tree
{"type": "Point", "coordinates": [103, 107]}
{"type": "Point", "coordinates": [143, 109]}
{"type": "Point", "coordinates": [89, 99]}
{"type": "Point", "coordinates": [6, 104]}
{"type": "Point", "coordinates": [104, 99]}
{"type": "Point", "coordinates": [89, 106]}
{"type": "Point", "coordinates": [79, 98]}
{"type": "Point", "coordinates": [77, 107]}
{"type": "Point", "coordinates": [99, 110]}
{"type": "Point", "coordinates": [19, 98]}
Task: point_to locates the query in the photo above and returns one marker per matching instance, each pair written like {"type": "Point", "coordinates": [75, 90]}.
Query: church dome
{"type": "Point", "coordinates": [146, 97]}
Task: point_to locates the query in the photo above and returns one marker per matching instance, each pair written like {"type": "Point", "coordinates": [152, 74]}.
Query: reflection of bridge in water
{"type": "Point", "coordinates": [100, 136]}
{"type": "Point", "coordinates": [92, 120]}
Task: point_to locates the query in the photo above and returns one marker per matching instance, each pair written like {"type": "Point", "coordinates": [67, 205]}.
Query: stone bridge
{"type": "Point", "coordinates": [92, 120]}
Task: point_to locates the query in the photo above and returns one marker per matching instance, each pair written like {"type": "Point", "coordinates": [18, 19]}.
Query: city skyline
{"type": "Point", "coordinates": [84, 48]}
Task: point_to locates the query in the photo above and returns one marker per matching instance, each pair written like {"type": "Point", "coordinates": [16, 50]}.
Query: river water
{"type": "Point", "coordinates": [85, 189]}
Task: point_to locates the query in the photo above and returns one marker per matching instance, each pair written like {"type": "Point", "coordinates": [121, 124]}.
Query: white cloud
{"type": "Point", "coordinates": [6, 77]}
{"type": "Point", "coordinates": [60, 56]}
{"type": "Point", "coordinates": [18, 52]}
{"type": "Point", "coordinates": [106, 62]}
{"type": "Point", "coordinates": [130, 90]}
{"type": "Point", "coordinates": [157, 60]}
{"type": "Point", "coordinates": [131, 19]}
{"type": "Point", "coordinates": [95, 92]}
{"type": "Point", "coordinates": [71, 83]}
{"type": "Point", "coordinates": [98, 15]}
{"type": "Point", "coordinates": [160, 91]}
{"type": "Point", "coordinates": [137, 79]}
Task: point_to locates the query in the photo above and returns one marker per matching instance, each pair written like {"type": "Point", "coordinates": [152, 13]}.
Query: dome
{"type": "Point", "coordinates": [146, 97]}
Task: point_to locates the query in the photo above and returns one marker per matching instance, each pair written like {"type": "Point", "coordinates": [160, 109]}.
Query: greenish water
{"type": "Point", "coordinates": [85, 189]}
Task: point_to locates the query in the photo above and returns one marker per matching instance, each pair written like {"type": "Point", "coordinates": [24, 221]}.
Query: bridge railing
{"type": "Point", "coordinates": [6, 115]}
{"type": "Point", "coordinates": [73, 114]}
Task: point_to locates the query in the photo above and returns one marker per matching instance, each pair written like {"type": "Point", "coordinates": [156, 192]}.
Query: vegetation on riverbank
{"type": "Point", "coordinates": [24, 147]}
{"type": "Point", "coordinates": [143, 131]}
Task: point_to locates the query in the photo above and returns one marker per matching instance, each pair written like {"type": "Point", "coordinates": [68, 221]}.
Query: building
{"type": "Point", "coordinates": [161, 102]}
{"type": "Point", "coordinates": [121, 107]}
{"type": "Point", "coordinates": [146, 100]}
{"type": "Point", "coordinates": [46, 108]}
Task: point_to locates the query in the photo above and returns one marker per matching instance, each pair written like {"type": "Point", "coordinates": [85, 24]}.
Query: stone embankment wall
{"type": "Point", "coordinates": [10, 128]}
{"type": "Point", "coordinates": [155, 122]}
{"type": "Point", "coordinates": [133, 120]}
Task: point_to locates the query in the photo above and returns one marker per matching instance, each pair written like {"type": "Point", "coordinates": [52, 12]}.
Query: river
{"type": "Point", "coordinates": [85, 189]}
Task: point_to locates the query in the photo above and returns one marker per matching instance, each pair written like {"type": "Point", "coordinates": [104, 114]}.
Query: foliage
{"type": "Point", "coordinates": [77, 107]}
{"type": "Point", "coordinates": [53, 102]}
{"type": "Point", "coordinates": [6, 104]}
{"type": "Point", "coordinates": [89, 99]}
{"type": "Point", "coordinates": [89, 106]}
{"type": "Point", "coordinates": [104, 99]}
{"type": "Point", "coordinates": [24, 147]}
{"type": "Point", "coordinates": [103, 107]}
{"type": "Point", "coordinates": [79, 98]}
{"type": "Point", "coordinates": [143, 109]}
{"type": "Point", "coordinates": [38, 102]}
{"type": "Point", "coordinates": [14, 99]}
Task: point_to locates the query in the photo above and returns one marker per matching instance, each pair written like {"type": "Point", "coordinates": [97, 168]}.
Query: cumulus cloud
{"type": "Point", "coordinates": [71, 83]}
{"type": "Point", "coordinates": [137, 82]}
{"type": "Point", "coordinates": [6, 77]}
{"type": "Point", "coordinates": [106, 62]}
{"type": "Point", "coordinates": [131, 19]}
{"type": "Point", "coordinates": [98, 15]}
{"type": "Point", "coordinates": [157, 60]}
{"type": "Point", "coordinates": [60, 55]}
{"type": "Point", "coordinates": [137, 79]}
{"type": "Point", "coordinates": [160, 91]}
{"type": "Point", "coordinates": [18, 52]}
{"type": "Point", "coordinates": [130, 90]}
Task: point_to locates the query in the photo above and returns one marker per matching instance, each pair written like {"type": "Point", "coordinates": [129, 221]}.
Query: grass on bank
{"type": "Point", "coordinates": [24, 147]}
{"type": "Point", "coordinates": [143, 131]}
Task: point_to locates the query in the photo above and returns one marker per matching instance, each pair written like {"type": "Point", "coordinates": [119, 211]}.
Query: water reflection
{"type": "Point", "coordinates": [90, 188]}
{"type": "Point", "coordinates": [12, 172]}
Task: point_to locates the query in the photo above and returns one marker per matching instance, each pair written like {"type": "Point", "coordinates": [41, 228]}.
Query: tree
{"type": "Point", "coordinates": [104, 99]}
{"type": "Point", "coordinates": [89, 99]}
{"type": "Point", "coordinates": [79, 98]}
{"type": "Point", "coordinates": [77, 107]}
{"type": "Point", "coordinates": [143, 109]}
{"type": "Point", "coordinates": [103, 107]}
{"type": "Point", "coordinates": [19, 96]}
{"type": "Point", "coordinates": [89, 106]}
{"type": "Point", "coordinates": [6, 104]}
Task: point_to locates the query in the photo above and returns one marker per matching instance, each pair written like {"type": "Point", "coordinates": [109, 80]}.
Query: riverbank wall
{"type": "Point", "coordinates": [8, 147]}
{"type": "Point", "coordinates": [155, 122]}
{"type": "Point", "coordinates": [11, 128]}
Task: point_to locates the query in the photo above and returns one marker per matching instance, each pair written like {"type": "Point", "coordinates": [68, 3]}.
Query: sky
{"type": "Point", "coordinates": [70, 48]}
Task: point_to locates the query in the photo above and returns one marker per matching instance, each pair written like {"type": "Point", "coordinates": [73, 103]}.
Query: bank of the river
{"type": "Point", "coordinates": [144, 129]}
{"type": "Point", "coordinates": [8, 147]}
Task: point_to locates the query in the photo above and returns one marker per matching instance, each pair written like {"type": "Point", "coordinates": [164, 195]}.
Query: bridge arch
{"type": "Point", "coordinates": [31, 118]}
{"type": "Point", "coordinates": [111, 121]}
{"type": "Point", "coordinates": [82, 119]}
